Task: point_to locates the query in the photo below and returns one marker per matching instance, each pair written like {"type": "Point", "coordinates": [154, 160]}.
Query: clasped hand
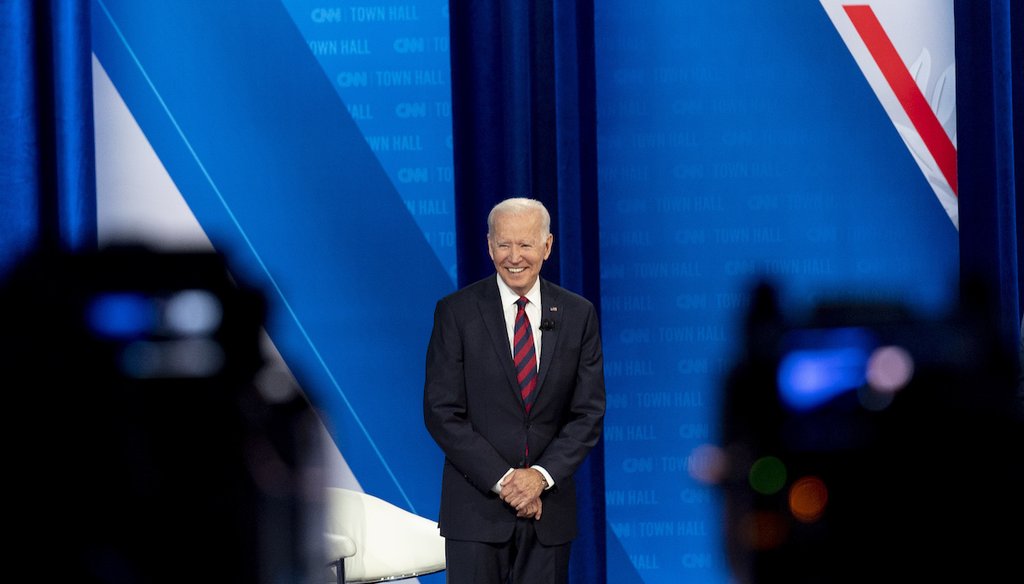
{"type": "Point", "coordinates": [521, 489]}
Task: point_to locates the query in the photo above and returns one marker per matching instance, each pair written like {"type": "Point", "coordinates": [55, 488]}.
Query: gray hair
{"type": "Point", "coordinates": [520, 206]}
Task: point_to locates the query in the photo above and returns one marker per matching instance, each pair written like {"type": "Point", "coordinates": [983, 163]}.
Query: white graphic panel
{"type": "Point", "coordinates": [922, 36]}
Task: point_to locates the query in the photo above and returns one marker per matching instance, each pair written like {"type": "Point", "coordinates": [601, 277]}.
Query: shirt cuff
{"type": "Point", "coordinates": [497, 486]}
{"type": "Point", "coordinates": [547, 476]}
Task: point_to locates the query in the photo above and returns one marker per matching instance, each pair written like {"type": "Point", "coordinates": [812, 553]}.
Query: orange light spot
{"type": "Point", "coordinates": [807, 499]}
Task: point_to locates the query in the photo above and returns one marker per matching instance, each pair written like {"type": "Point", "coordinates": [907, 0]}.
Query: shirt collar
{"type": "Point", "coordinates": [510, 297]}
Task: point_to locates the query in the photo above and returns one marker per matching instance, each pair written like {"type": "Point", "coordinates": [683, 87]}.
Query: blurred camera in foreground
{"type": "Point", "coordinates": [865, 444]}
{"type": "Point", "coordinates": [143, 448]}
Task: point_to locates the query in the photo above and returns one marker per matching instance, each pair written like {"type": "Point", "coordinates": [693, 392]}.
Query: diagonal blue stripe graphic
{"type": "Point", "coordinates": [278, 175]}
{"type": "Point", "coordinates": [241, 231]}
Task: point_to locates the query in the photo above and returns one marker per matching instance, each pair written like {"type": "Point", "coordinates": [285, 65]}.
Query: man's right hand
{"type": "Point", "coordinates": [532, 509]}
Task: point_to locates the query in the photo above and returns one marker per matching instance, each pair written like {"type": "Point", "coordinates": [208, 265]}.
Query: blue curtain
{"type": "Point", "coordinates": [524, 116]}
{"type": "Point", "coordinates": [990, 152]}
{"type": "Point", "coordinates": [47, 168]}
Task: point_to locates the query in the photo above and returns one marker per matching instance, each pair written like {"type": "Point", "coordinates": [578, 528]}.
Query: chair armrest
{"type": "Point", "coordinates": [389, 541]}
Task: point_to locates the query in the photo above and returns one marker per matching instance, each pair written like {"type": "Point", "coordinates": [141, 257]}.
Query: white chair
{"type": "Point", "coordinates": [375, 541]}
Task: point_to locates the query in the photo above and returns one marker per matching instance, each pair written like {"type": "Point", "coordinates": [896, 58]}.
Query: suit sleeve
{"type": "Point", "coordinates": [585, 419]}
{"type": "Point", "coordinates": [445, 406]}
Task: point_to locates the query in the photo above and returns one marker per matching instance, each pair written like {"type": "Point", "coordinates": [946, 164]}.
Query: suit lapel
{"type": "Point", "coordinates": [489, 303]}
{"type": "Point", "coordinates": [550, 311]}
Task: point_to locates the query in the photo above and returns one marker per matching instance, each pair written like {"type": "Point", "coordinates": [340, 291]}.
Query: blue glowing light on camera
{"type": "Point", "coordinates": [121, 315]}
{"type": "Point", "coordinates": [821, 364]}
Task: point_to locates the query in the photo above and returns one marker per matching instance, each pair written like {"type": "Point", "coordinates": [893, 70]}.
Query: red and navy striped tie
{"type": "Point", "coordinates": [525, 358]}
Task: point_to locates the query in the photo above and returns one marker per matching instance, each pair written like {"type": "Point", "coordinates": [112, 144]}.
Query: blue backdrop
{"type": "Point", "coordinates": [250, 126]}
{"type": "Point", "coordinates": [762, 152]}
{"type": "Point", "coordinates": [735, 140]}
{"type": "Point", "coordinates": [313, 143]}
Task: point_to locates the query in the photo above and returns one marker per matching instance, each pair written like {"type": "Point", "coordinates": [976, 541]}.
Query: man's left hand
{"type": "Point", "coordinates": [522, 487]}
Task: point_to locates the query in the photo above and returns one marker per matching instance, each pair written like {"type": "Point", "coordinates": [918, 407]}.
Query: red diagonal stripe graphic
{"type": "Point", "coordinates": [907, 92]}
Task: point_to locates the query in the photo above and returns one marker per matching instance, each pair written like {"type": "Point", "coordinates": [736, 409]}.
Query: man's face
{"type": "Point", "coordinates": [519, 249]}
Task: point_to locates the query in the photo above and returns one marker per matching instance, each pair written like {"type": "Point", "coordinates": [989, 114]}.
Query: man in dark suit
{"type": "Point", "coordinates": [513, 430]}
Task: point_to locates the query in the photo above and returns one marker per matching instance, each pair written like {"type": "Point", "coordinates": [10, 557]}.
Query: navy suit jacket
{"type": "Point", "coordinates": [473, 409]}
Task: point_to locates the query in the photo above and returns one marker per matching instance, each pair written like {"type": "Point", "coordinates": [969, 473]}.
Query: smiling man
{"type": "Point", "coordinates": [514, 396]}
{"type": "Point", "coordinates": [519, 240]}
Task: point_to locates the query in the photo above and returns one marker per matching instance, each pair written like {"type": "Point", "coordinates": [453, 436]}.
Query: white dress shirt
{"type": "Point", "coordinates": [509, 310]}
